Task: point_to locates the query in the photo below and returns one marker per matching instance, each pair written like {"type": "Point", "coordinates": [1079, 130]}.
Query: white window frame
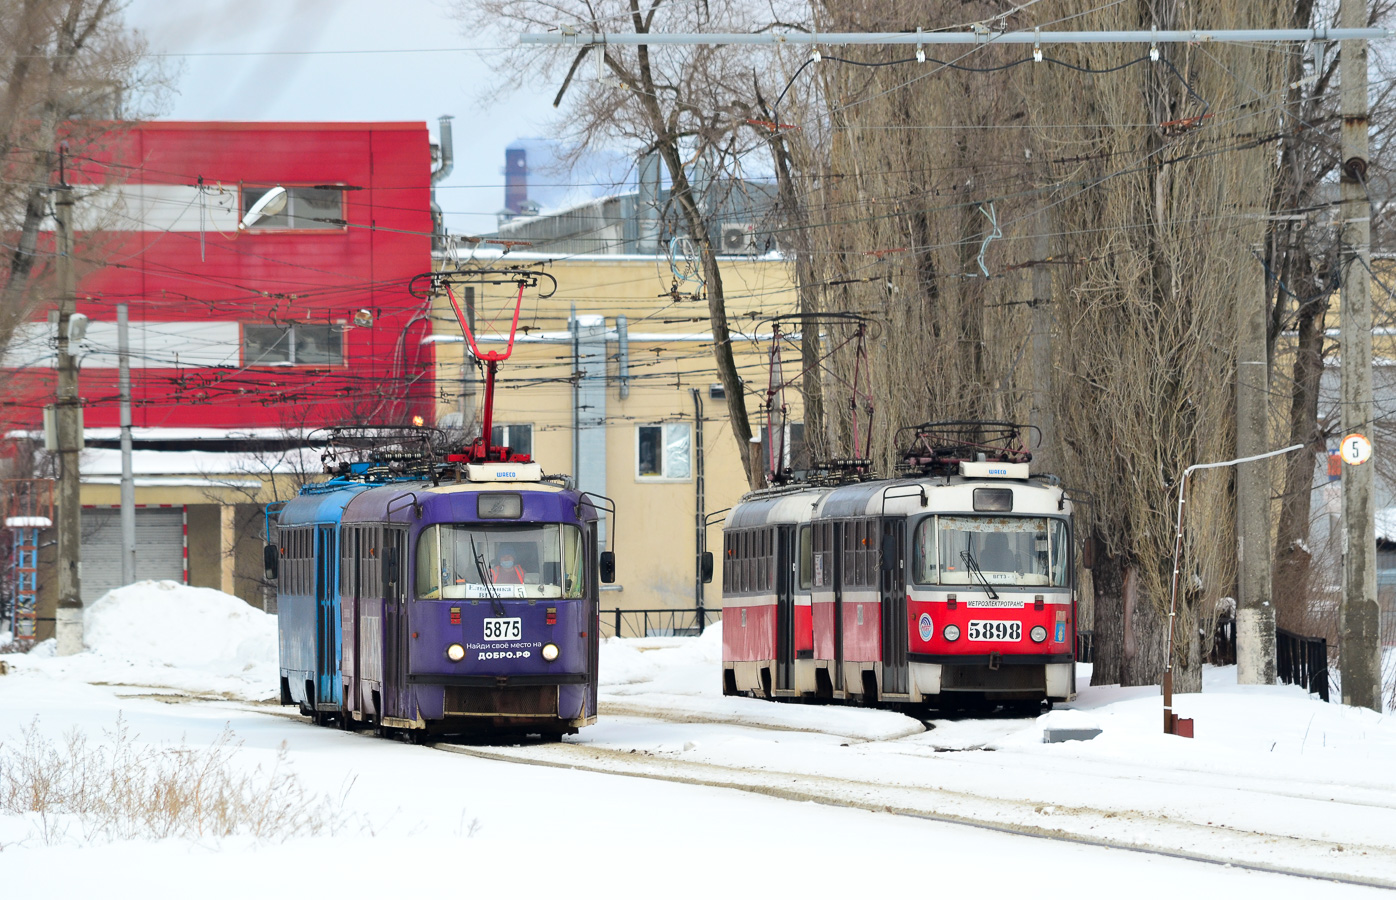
{"type": "Point", "coordinates": [290, 218]}
{"type": "Point", "coordinates": [290, 331]}
{"type": "Point", "coordinates": [666, 428]}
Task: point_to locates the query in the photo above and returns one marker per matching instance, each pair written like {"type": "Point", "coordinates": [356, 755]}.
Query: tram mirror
{"type": "Point", "coordinates": [889, 553]}
{"type": "Point", "coordinates": [271, 561]}
{"type": "Point", "coordinates": [608, 567]}
{"type": "Point", "coordinates": [707, 567]}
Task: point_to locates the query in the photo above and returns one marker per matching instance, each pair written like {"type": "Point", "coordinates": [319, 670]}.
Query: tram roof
{"type": "Point", "coordinates": [396, 503]}
{"type": "Point", "coordinates": [324, 505]}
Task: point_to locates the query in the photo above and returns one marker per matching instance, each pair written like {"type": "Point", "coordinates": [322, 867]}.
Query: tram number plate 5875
{"type": "Point", "coordinates": [995, 631]}
{"type": "Point", "coordinates": [503, 629]}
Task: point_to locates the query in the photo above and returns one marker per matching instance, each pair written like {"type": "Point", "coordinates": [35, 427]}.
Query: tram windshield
{"type": "Point", "coordinates": [479, 562]}
{"type": "Point", "coordinates": [1008, 550]}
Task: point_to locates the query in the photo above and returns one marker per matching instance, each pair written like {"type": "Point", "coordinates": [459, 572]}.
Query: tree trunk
{"type": "Point", "coordinates": [1292, 554]}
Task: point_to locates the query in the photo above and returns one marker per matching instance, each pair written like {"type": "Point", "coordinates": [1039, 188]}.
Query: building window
{"type": "Point", "coordinates": [307, 209]}
{"type": "Point", "coordinates": [297, 344]}
{"type": "Point", "coordinates": [664, 452]}
{"type": "Point", "coordinates": [518, 438]}
{"type": "Point", "coordinates": [789, 452]}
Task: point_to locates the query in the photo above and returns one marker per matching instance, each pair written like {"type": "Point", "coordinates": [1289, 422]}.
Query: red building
{"type": "Point", "coordinates": [301, 320]}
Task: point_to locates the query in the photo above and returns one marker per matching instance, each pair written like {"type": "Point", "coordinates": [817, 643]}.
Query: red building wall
{"type": "Point", "coordinates": [169, 248]}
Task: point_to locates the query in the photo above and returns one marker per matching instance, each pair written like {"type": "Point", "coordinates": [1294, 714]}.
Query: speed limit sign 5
{"type": "Point", "coordinates": [1355, 449]}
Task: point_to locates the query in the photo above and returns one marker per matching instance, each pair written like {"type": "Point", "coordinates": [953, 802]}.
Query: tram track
{"type": "Point", "coordinates": [1369, 865]}
{"type": "Point", "coordinates": [1171, 836]}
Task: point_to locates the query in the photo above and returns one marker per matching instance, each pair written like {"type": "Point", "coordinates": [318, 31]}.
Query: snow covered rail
{"type": "Point", "coordinates": [1142, 832]}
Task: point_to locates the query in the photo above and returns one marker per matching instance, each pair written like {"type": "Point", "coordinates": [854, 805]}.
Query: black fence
{"type": "Point", "coordinates": [1303, 661]}
{"type": "Point", "coordinates": [1299, 659]}
{"type": "Point", "coordinates": [1223, 643]}
{"type": "Point", "coordinates": [655, 622]}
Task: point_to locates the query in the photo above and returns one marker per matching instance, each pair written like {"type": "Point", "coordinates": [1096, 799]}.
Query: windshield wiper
{"type": "Point", "coordinates": [486, 578]}
{"type": "Point", "coordinates": [974, 568]}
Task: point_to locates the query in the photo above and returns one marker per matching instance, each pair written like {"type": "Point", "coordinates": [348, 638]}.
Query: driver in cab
{"type": "Point", "coordinates": [507, 571]}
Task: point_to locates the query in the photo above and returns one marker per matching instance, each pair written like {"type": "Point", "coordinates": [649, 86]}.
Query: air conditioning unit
{"type": "Point", "coordinates": [738, 237]}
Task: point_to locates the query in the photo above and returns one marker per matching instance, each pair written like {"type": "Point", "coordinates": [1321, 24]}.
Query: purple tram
{"type": "Point", "coordinates": [470, 607]}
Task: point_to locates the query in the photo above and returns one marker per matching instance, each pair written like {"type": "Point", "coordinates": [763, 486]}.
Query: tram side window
{"type": "Point", "coordinates": [806, 554]}
{"type": "Point", "coordinates": [726, 564]}
{"type": "Point", "coordinates": [763, 566]}
{"type": "Point", "coordinates": [393, 549]}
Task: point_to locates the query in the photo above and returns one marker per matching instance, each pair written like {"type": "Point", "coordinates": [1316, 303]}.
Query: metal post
{"type": "Point", "coordinates": [1042, 343]}
{"type": "Point", "coordinates": [700, 514]}
{"type": "Point", "coordinates": [1255, 613]}
{"type": "Point", "coordinates": [128, 483]}
{"type": "Point", "coordinates": [68, 616]}
{"type": "Point", "coordinates": [1359, 650]}
{"type": "Point", "coordinates": [1169, 720]}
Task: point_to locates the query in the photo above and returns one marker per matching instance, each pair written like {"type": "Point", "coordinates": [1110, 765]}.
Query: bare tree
{"type": "Point", "coordinates": [688, 104]}
{"type": "Point", "coordinates": [68, 69]}
{"type": "Point", "coordinates": [1301, 262]}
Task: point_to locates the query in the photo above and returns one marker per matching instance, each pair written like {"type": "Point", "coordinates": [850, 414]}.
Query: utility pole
{"type": "Point", "coordinates": [128, 483]}
{"type": "Point", "coordinates": [1042, 344]}
{"type": "Point", "coordinates": [1255, 612]}
{"type": "Point", "coordinates": [700, 517]}
{"type": "Point", "coordinates": [68, 616]}
{"type": "Point", "coordinates": [1359, 641]}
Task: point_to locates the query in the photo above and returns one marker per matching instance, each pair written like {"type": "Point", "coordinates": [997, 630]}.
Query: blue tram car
{"type": "Point", "coordinates": [463, 604]}
{"type": "Point", "coordinates": [308, 605]}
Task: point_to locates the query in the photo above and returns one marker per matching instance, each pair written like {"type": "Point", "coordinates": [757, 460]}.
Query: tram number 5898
{"type": "Point", "coordinates": [995, 631]}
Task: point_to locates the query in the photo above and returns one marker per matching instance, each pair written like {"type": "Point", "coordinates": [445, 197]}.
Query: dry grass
{"type": "Point", "coordinates": [121, 789]}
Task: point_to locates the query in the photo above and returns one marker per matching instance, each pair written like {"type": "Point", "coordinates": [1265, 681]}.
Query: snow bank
{"type": "Point", "coordinates": [680, 679]}
{"type": "Point", "coordinates": [163, 634]}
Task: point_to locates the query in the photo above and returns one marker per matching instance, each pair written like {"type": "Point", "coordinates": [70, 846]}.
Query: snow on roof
{"type": "Point", "coordinates": [100, 461]}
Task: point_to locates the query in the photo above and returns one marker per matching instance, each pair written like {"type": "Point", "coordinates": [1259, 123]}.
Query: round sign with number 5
{"type": "Point", "coordinates": [1356, 449]}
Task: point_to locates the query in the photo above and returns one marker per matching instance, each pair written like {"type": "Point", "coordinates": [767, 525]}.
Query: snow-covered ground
{"type": "Point", "coordinates": [1269, 766]}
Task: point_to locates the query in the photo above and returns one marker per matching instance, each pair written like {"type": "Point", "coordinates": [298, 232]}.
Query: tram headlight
{"type": "Point", "coordinates": [455, 652]}
{"type": "Point", "coordinates": [550, 652]}
{"type": "Point", "coordinates": [951, 632]}
{"type": "Point", "coordinates": [1038, 633]}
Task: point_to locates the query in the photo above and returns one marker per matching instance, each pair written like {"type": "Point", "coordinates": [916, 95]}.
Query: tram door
{"type": "Point", "coordinates": [892, 581]}
{"type": "Point", "coordinates": [843, 546]}
{"type": "Point", "coordinates": [785, 608]}
{"type": "Point", "coordinates": [395, 623]}
{"type": "Point", "coordinates": [350, 580]}
{"type": "Point", "coordinates": [326, 626]}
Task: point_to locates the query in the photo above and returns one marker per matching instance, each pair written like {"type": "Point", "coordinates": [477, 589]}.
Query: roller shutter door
{"type": "Point", "coordinates": [159, 548]}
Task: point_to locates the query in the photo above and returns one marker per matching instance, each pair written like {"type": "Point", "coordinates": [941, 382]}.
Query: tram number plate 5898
{"type": "Point", "coordinates": [995, 631]}
{"type": "Point", "coordinates": [503, 629]}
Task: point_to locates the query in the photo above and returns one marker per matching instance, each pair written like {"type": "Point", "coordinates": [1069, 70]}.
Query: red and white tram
{"type": "Point", "coordinates": [952, 587]}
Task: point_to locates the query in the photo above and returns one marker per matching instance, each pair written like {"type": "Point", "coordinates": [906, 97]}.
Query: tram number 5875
{"type": "Point", "coordinates": [498, 629]}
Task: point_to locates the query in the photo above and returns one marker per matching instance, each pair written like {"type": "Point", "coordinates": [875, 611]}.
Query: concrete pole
{"type": "Point", "coordinates": [1255, 611]}
{"type": "Point", "coordinates": [68, 616]}
{"type": "Point", "coordinates": [128, 482]}
{"type": "Point", "coordinates": [1359, 639]}
{"type": "Point", "coordinates": [1044, 453]}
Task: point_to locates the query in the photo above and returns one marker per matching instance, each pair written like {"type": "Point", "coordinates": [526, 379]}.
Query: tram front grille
{"type": "Point", "coordinates": [537, 700]}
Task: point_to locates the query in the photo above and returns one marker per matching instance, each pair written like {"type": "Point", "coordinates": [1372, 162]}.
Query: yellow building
{"type": "Point", "coordinates": [612, 380]}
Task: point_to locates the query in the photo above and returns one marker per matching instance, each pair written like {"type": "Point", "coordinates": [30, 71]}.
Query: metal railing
{"type": "Point", "coordinates": [1299, 659]}
{"type": "Point", "coordinates": [655, 622]}
{"type": "Point", "coordinates": [1303, 661]}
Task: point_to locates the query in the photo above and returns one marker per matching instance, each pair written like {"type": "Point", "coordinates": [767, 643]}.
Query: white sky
{"type": "Point", "coordinates": [239, 66]}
